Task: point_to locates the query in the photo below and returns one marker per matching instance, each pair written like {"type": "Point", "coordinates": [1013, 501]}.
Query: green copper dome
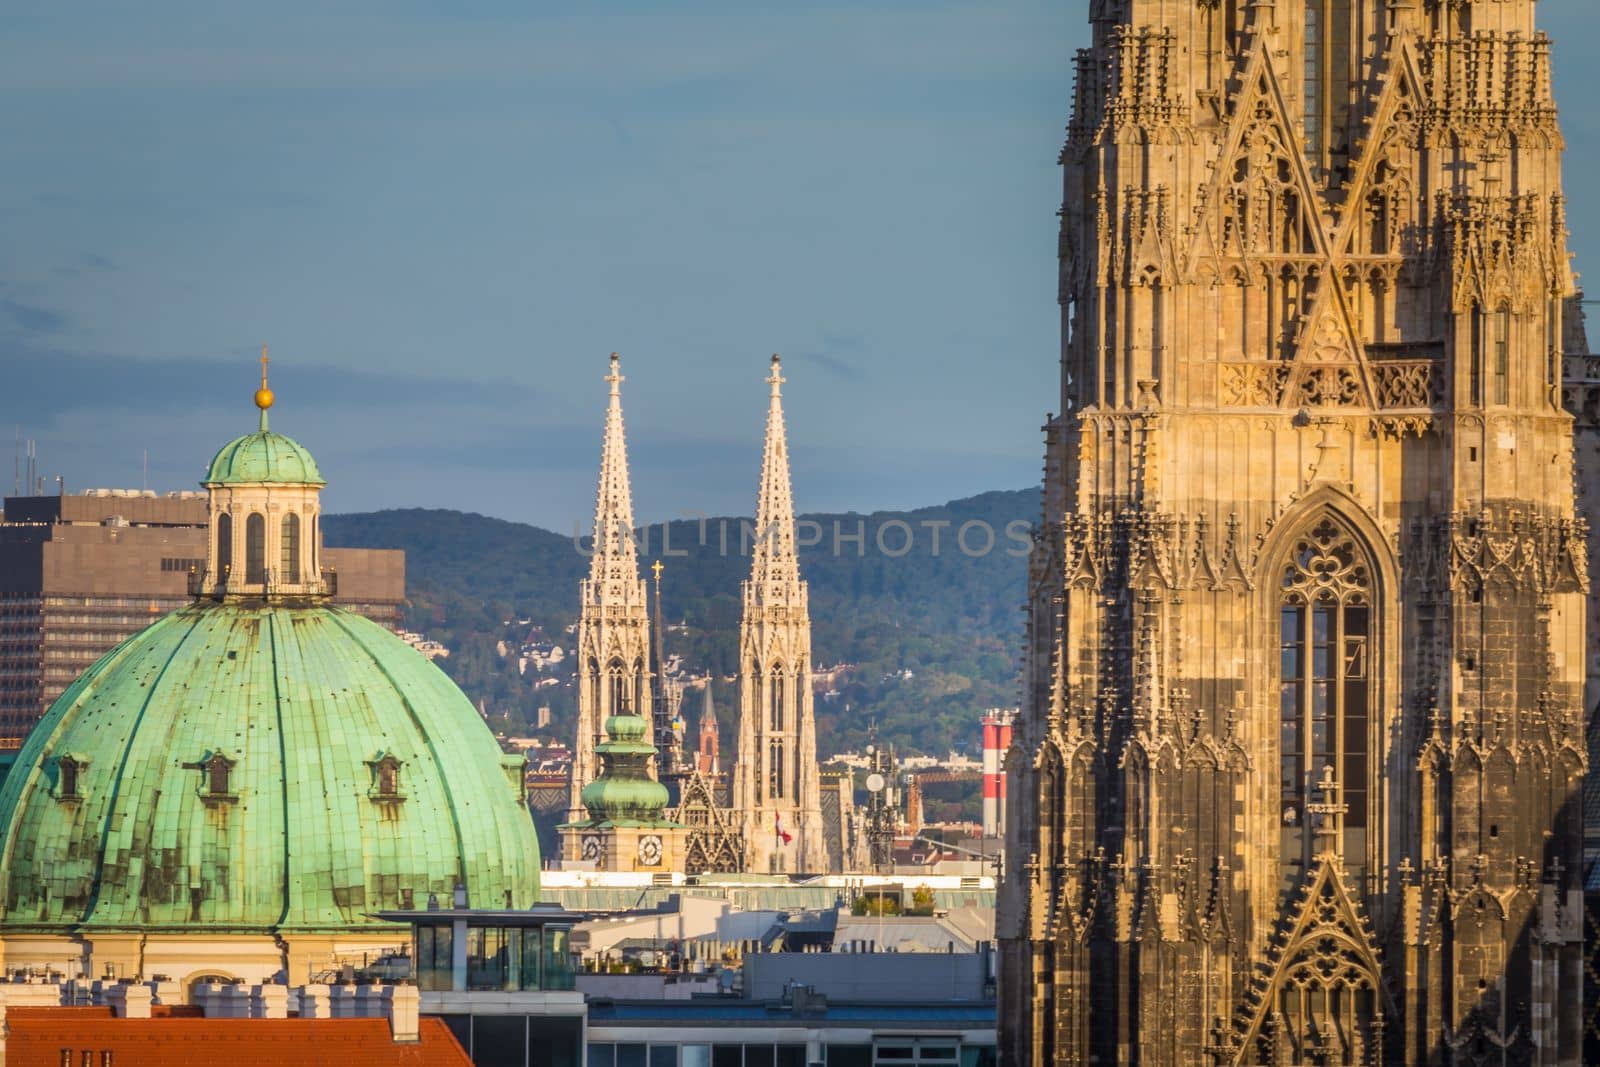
{"type": "Point", "coordinates": [240, 766]}
{"type": "Point", "coordinates": [263, 456]}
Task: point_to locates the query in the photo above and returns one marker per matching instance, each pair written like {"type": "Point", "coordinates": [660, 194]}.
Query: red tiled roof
{"type": "Point", "coordinates": [38, 1036]}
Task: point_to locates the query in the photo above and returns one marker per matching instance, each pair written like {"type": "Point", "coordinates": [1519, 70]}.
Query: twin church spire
{"type": "Point", "coordinates": [776, 786]}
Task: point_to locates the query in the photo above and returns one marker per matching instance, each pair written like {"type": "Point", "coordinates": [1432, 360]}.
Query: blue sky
{"type": "Point", "coordinates": [443, 216]}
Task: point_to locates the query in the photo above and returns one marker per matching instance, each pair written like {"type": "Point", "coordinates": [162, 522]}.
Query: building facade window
{"type": "Point", "coordinates": [1326, 665]}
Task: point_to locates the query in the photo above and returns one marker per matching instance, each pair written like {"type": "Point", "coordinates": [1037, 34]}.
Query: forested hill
{"type": "Point", "coordinates": [922, 609]}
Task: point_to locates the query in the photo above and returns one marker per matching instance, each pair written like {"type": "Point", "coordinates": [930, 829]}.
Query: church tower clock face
{"type": "Point", "coordinates": [650, 850]}
{"type": "Point", "coordinates": [591, 846]}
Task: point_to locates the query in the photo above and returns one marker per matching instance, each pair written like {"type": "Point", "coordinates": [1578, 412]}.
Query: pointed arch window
{"type": "Point", "coordinates": [775, 790]}
{"type": "Point", "coordinates": [1326, 631]}
{"type": "Point", "coordinates": [289, 548]}
{"type": "Point", "coordinates": [618, 689]}
{"type": "Point", "coordinates": [778, 699]}
{"type": "Point", "coordinates": [224, 545]}
{"type": "Point", "coordinates": [255, 548]}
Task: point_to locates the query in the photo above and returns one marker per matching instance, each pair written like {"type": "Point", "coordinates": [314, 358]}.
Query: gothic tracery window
{"type": "Point", "coordinates": [617, 688]}
{"type": "Point", "coordinates": [1326, 672]}
{"type": "Point", "coordinates": [775, 771]}
{"type": "Point", "coordinates": [1502, 355]}
{"type": "Point", "coordinates": [777, 699]}
{"type": "Point", "coordinates": [1326, 85]}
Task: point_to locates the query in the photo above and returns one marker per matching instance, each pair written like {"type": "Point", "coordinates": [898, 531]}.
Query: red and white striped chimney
{"type": "Point", "coordinates": [997, 724]}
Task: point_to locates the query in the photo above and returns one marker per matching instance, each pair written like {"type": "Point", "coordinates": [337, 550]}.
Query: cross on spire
{"type": "Point", "coordinates": [615, 378]}
{"type": "Point", "coordinates": [263, 396]}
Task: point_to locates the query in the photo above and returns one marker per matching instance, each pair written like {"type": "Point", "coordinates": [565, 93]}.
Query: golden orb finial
{"type": "Point", "coordinates": [264, 394]}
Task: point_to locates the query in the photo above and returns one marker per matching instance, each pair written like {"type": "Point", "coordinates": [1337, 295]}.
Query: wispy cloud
{"type": "Point", "coordinates": [32, 319]}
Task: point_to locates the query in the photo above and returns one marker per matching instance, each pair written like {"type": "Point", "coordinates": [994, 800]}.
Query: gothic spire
{"type": "Point", "coordinates": [774, 550]}
{"type": "Point", "coordinates": [615, 558]}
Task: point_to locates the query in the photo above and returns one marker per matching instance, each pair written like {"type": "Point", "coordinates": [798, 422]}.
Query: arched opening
{"type": "Point", "coordinates": [255, 549]}
{"type": "Point", "coordinates": [1327, 637]}
{"type": "Point", "coordinates": [289, 548]}
{"type": "Point", "coordinates": [224, 545]}
{"type": "Point", "coordinates": [197, 981]}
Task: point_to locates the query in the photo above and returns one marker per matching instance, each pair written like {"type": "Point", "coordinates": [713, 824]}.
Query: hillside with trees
{"type": "Point", "coordinates": [919, 611]}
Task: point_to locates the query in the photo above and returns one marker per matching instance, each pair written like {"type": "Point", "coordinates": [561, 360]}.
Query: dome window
{"type": "Point", "coordinates": [68, 768]}
{"type": "Point", "coordinates": [385, 778]}
{"type": "Point", "coordinates": [255, 549]}
{"type": "Point", "coordinates": [289, 551]}
{"type": "Point", "coordinates": [216, 776]}
{"type": "Point", "coordinates": [224, 545]}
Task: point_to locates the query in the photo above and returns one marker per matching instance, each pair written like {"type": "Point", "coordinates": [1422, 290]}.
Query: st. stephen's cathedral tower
{"type": "Point", "coordinates": [1299, 767]}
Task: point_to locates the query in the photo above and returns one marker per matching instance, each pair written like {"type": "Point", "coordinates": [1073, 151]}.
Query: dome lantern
{"type": "Point", "coordinates": [265, 506]}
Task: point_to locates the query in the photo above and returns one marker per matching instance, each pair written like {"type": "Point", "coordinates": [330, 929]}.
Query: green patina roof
{"type": "Point", "coordinates": [307, 703]}
{"type": "Point", "coordinates": [263, 456]}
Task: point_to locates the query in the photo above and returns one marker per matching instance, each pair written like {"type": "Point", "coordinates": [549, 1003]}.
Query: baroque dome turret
{"type": "Point", "coordinates": [260, 764]}
{"type": "Point", "coordinates": [625, 793]}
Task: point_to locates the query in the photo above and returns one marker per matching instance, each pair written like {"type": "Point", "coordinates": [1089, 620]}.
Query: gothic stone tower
{"type": "Point", "coordinates": [1298, 771]}
{"type": "Point", "coordinates": [614, 619]}
{"type": "Point", "coordinates": [776, 781]}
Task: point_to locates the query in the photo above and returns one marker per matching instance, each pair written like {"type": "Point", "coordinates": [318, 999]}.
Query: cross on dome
{"type": "Point", "coordinates": [264, 395]}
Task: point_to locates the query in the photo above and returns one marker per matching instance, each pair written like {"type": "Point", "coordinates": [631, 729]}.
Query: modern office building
{"type": "Point", "coordinates": [80, 573]}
